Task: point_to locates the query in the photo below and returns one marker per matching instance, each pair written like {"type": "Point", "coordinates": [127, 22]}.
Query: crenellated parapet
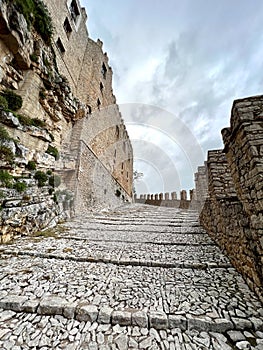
{"type": "Point", "coordinates": [169, 199]}
{"type": "Point", "coordinates": [230, 191]}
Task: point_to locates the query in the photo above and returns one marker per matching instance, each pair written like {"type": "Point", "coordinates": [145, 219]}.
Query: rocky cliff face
{"type": "Point", "coordinates": [31, 130]}
{"type": "Point", "coordinates": [47, 160]}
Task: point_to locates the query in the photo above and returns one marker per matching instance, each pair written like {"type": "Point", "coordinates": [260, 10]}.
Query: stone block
{"type": "Point", "coordinates": [140, 319]}
{"type": "Point", "coordinates": [51, 305]}
{"type": "Point", "coordinates": [177, 321]}
{"type": "Point", "coordinates": [221, 325]}
{"type": "Point", "coordinates": [241, 323]}
{"type": "Point", "coordinates": [199, 324]}
{"type": "Point", "coordinates": [105, 315]}
{"type": "Point", "coordinates": [30, 306]}
{"type": "Point", "coordinates": [12, 302]}
{"type": "Point", "coordinates": [69, 310]}
{"type": "Point", "coordinates": [87, 312]}
{"type": "Point", "coordinates": [158, 320]}
{"type": "Point", "coordinates": [123, 318]}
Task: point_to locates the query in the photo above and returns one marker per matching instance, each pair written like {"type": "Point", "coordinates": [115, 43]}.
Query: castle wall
{"type": "Point", "coordinates": [105, 133]}
{"type": "Point", "coordinates": [74, 40]}
{"type": "Point", "coordinates": [232, 212]}
{"type": "Point", "coordinates": [90, 79]}
{"type": "Point", "coordinates": [96, 187]}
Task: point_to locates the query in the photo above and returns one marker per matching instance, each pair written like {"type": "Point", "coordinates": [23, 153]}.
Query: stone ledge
{"type": "Point", "coordinates": [84, 311]}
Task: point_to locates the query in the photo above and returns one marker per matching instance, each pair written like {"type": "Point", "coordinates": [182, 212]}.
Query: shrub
{"type": "Point", "coordinates": [2, 195]}
{"type": "Point", "coordinates": [53, 152]}
{"type": "Point", "coordinates": [34, 57]}
{"type": "Point", "coordinates": [20, 187]}
{"type": "Point", "coordinates": [36, 13]}
{"type": "Point", "coordinates": [6, 154]}
{"type": "Point", "coordinates": [14, 101]}
{"type": "Point", "coordinates": [31, 165]}
{"type": "Point", "coordinates": [4, 136]}
{"type": "Point", "coordinates": [23, 120]}
{"type": "Point", "coordinates": [3, 103]}
{"type": "Point", "coordinates": [49, 172]}
{"type": "Point", "coordinates": [5, 178]}
{"type": "Point", "coordinates": [38, 123]}
{"type": "Point", "coordinates": [54, 181]}
{"type": "Point", "coordinates": [27, 121]}
{"type": "Point", "coordinates": [50, 191]}
{"type": "Point", "coordinates": [41, 177]}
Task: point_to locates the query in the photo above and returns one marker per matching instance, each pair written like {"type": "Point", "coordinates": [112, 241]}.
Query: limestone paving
{"type": "Point", "coordinates": [89, 284]}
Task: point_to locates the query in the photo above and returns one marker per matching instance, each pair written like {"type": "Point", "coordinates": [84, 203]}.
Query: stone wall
{"type": "Point", "coordinates": [90, 78]}
{"type": "Point", "coordinates": [72, 36]}
{"type": "Point", "coordinates": [169, 200]}
{"type": "Point", "coordinates": [99, 189]}
{"type": "Point", "coordinates": [232, 212]}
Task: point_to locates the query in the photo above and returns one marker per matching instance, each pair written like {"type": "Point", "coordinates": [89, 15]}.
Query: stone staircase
{"type": "Point", "coordinates": [68, 162]}
{"type": "Point", "coordinates": [139, 277]}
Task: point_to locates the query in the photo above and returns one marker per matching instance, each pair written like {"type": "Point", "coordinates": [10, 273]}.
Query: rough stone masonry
{"type": "Point", "coordinates": [230, 191]}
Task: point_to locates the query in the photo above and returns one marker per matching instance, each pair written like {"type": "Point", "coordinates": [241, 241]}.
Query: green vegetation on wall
{"type": "Point", "coordinates": [6, 153]}
{"type": "Point", "coordinates": [53, 152]}
{"type": "Point", "coordinates": [14, 101]}
{"type": "Point", "coordinates": [6, 179]}
{"type": "Point", "coordinates": [41, 178]}
{"type": "Point", "coordinates": [36, 14]}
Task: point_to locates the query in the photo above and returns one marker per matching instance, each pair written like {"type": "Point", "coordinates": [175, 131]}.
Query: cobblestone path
{"type": "Point", "coordinates": [139, 277]}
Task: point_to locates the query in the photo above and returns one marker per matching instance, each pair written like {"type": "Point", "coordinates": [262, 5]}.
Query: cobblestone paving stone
{"type": "Point", "coordinates": [139, 277]}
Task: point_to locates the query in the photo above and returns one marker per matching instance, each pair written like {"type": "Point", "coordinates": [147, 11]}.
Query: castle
{"type": "Point", "coordinates": [65, 83]}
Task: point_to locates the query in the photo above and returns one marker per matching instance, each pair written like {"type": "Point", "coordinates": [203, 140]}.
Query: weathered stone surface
{"type": "Point", "coordinates": [140, 319]}
{"type": "Point", "coordinates": [177, 321]}
{"type": "Point", "coordinates": [123, 318]}
{"type": "Point", "coordinates": [51, 305]}
{"type": "Point", "coordinates": [199, 323]}
{"type": "Point", "coordinates": [105, 314]}
{"type": "Point", "coordinates": [158, 320]}
{"type": "Point", "coordinates": [232, 211]}
{"type": "Point", "coordinates": [30, 305]}
{"type": "Point", "coordinates": [69, 310]}
{"type": "Point", "coordinates": [86, 312]}
{"type": "Point", "coordinates": [13, 302]}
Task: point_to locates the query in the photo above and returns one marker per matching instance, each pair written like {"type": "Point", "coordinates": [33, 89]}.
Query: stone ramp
{"type": "Point", "coordinates": [111, 281]}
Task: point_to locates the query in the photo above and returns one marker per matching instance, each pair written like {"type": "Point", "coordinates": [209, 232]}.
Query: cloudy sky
{"type": "Point", "coordinates": [178, 66]}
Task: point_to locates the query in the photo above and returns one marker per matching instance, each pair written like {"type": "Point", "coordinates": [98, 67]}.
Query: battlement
{"type": "Point", "coordinates": [169, 200]}
{"type": "Point", "coordinates": [230, 191]}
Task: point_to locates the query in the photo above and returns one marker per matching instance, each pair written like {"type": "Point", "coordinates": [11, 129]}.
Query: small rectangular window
{"type": "Point", "coordinates": [74, 10]}
{"type": "Point", "coordinates": [67, 27]}
{"type": "Point", "coordinates": [60, 46]}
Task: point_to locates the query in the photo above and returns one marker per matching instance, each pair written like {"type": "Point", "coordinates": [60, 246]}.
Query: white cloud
{"type": "Point", "coordinates": [191, 59]}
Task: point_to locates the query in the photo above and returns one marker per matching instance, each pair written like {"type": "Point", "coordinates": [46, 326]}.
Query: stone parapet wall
{"type": "Point", "coordinates": [169, 200]}
{"type": "Point", "coordinates": [233, 211]}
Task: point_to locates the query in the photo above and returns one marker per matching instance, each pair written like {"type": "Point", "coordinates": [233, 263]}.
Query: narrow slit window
{"type": "Point", "coordinates": [98, 103]}
{"type": "Point", "coordinates": [104, 71]}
